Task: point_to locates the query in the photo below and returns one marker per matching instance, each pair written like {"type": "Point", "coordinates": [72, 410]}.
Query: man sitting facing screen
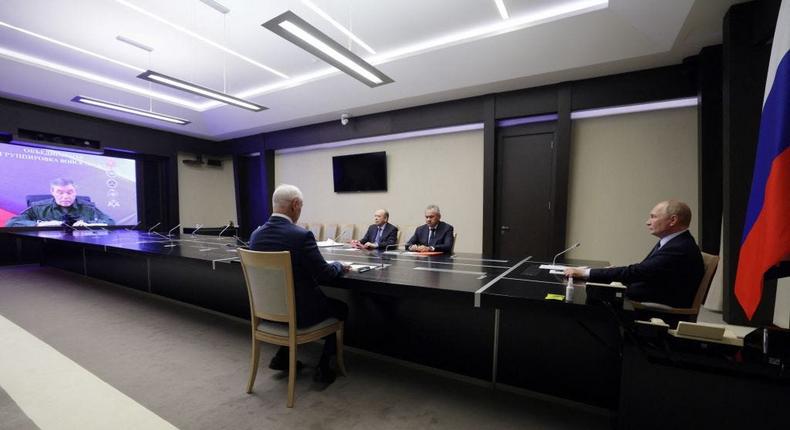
{"type": "Point", "coordinates": [434, 235]}
{"type": "Point", "coordinates": [64, 207]}
{"type": "Point", "coordinates": [380, 234]}
{"type": "Point", "coordinates": [671, 273]}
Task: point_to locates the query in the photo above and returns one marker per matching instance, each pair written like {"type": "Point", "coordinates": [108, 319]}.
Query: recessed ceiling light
{"type": "Point", "coordinates": [216, 6]}
{"type": "Point", "coordinates": [640, 107]}
{"type": "Point", "coordinates": [201, 38]}
{"type": "Point", "coordinates": [150, 75]}
{"type": "Point", "coordinates": [128, 109]}
{"type": "Point", "coordinates": [500, 5]}
{"type": "Point", "coordinates": [339, 26]}
{"type": "Point", "coordinates": [297, 31]}
{"type": "Point", "coordinates": [92, 77]}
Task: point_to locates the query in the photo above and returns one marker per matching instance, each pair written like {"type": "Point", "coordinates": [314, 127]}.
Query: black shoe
{"type": "Point", "coordinates": [280, 362]}
{"type": "Point", "coordinates": [324, 375]}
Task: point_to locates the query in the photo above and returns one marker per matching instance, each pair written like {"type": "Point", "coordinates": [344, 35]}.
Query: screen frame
{"type": "Point", "coordinates": [360, 159]}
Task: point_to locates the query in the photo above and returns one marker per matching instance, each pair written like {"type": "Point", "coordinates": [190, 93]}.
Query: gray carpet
{"type": "Point", "coordinates": [190, 367]}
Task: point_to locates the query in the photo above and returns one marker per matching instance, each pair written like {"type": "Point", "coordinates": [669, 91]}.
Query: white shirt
{"type": "Point", "coordinates": [283, 216]}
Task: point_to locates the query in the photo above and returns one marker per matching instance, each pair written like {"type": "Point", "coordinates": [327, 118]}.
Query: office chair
{"type": "Point", "coordinates": [270, 286]}
{"type": "Point", "coordinates": [346, 233]}
{"type": "Point", "coordinates": [711, 262]}
{"type": "Point", "coordinates": [316, 229]}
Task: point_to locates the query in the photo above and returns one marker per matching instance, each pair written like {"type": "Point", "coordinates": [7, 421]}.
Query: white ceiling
{"type": "Point", "coordinates": [435, 50]}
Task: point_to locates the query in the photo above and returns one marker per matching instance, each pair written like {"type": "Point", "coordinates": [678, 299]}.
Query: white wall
{"type": "Point", "coordinates": [446, 170]}
{"type": "Point", "coordinates": [206, 195]}
{"type": "Point", "coordinates": [620, 167]}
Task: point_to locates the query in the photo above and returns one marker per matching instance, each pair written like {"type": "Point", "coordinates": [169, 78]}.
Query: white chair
{"type": "Point", "coordinates": [270, 287]}
{"type": "Point", "coordinates": [317, 229]}
{"type": "Point", "coordinates": [346, 233]}
{"type": "Point", "coordinates": [331, 231]}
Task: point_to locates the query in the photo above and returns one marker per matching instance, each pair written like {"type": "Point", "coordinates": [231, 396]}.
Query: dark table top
{"type": "Point", "coordinates": [491, 281]}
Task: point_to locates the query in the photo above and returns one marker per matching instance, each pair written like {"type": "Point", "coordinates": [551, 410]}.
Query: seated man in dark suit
{"type": "Point", "coordinates": [380, 234]}
{"type": "Point", "coordinates": [280, 233]}
{"type": "Point", "coordinates": [435, 235]}
{"type": "Point", "coordinates": [671, 273]}
{"type": "Point", "coordinates": [63, 207]}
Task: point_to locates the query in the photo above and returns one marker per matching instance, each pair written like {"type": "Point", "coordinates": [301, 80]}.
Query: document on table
{"type": "Point", "coordinates": [327, 243]}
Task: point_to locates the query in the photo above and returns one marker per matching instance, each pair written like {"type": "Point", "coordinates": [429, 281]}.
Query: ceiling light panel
{"type": "Point", "coordinates": [297, 31]}
{"type": "Point", "coordinates": [158, 78]}
{"type": "Point", "coordinates": [129, 110]}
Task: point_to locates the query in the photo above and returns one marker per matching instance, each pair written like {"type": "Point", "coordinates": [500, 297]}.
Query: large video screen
{"type": "Point", "coordinates": [44, 187]}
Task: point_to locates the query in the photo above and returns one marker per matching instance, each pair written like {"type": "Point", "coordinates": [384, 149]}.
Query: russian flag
{"type": "Point", "coordinates": [766, 232]}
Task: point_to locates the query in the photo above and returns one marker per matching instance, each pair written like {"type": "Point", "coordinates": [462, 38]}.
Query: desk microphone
{"type": "Point", "coordinates": [242, 242]}
{"type": "Point", "coordinates": [197, 227]}
{"type": "Point", "coordinates": [386, 248]}
{"type": "Point", "coordinates": [135, 226]}
{"type": "Point", "coordinates": [169, 232]}
{"type": "Point", "coordinates": [155, 226]}
{"type": "Point", "coordinates": [223, 230]}
{"type": "Point", "coordinates": [574, 246]}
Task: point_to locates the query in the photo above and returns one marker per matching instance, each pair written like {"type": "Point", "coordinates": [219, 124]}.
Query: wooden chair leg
{"type": "Point", "coordinates": [341, 365]}
{"type": "Point", "coordinates": [255, 357]}
{"type": "Point", "coordinates": [291, 374]}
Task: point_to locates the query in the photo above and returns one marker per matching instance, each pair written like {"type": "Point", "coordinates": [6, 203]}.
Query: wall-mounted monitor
{"type": "Point", "coordinates": [70, 183]}
{"type": "Point", "coordinates": [360, 172]}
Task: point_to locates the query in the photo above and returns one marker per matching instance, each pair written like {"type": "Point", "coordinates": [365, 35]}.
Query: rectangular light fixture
{"type": "Point", "coordinates": [134, 111]}
{"type": "Point", "coordinates": [150, 75]}
{"type": "Point", "coordinates": [500, 5]}
{"type": "Point", "coordinates": [297, 31]}
{"type": "Point", "coordinates": [640, 107]}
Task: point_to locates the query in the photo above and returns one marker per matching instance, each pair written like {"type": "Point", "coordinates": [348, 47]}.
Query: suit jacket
{"type": "Point", "coordinates": [309, 266]}
{"type": "Point", "coordinates": [388, 237]}
{"type": "Point", "coordinates": [670, 275]}
{"type": "Point", "coordinates": [443, 241]}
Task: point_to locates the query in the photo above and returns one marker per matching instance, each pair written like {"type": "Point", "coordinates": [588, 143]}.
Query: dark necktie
{"type": "Point", "coordinates": [431, 236]}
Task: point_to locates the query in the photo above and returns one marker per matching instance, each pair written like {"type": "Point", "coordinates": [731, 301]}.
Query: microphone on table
{"type": "Point", "coordinates": [169, 232]}
{"type": "Point", "coordinates": [197, 227]}
{"type": "Point", "coordinates": [574, 246]}
{"type": "Point", "coordinates": [223, 230]}
{"type": "Point", "coordinates": [247, 244]}
{"type": "Point", "coordinates": [155, 226]}
{"type": "Point", "coordinates": [386, 248]}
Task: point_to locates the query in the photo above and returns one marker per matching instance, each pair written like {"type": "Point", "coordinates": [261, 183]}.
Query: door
{"type": "Point", "coordinates": [525, 178]}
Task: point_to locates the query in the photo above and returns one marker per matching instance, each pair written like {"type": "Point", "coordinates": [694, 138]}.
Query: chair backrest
{"type": "Point", "coordinates": [32, 198]}
{"type": "Point", "coordinates": [331, 231]}
{"type": "Point", "coordinates": [407, 231]}
{"type": "Point", "coordinates": [346, 233]}
{"type": "Point", "coordinates": [269, 279]}
{"type": "Point", "coordinates": [455, 240]}
{"type": "Point", "coordinates": [711, 262]}
{"type": "Point", "coordinates": [316, 229]}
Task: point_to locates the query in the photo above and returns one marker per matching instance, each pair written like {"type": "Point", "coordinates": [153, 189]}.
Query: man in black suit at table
{"type": "Point", "coordinates": [671, 273]}
{"type": "Point", "coordinates": [434, 235]}
{"type": "Point", "coordinates": [280, 233]}
{"type": "Point", "coordinates": [380, 234]}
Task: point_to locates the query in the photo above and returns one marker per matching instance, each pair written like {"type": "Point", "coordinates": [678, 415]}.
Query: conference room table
{"type": "Point", "coordinates": [498, 321]}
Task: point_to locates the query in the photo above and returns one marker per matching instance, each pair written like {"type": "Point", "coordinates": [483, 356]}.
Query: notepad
{"type": "Point", "coordinates": [328, 243]}
{"type": "Point", "coordinates": [559, 297]}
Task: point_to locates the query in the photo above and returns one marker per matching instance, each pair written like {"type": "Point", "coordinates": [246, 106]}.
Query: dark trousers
{"type": "Point", "coordinates": [339, 310]}
{"type": "Point", "coordinates": [336, 309]}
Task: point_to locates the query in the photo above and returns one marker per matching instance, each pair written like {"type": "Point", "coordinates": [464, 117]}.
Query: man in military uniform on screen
{"type": "Point", "coordinates": [63, 208]}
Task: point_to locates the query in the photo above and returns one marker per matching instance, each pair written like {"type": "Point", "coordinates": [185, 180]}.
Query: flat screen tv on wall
{"type": "Point", "coordinates": [360, 172]}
